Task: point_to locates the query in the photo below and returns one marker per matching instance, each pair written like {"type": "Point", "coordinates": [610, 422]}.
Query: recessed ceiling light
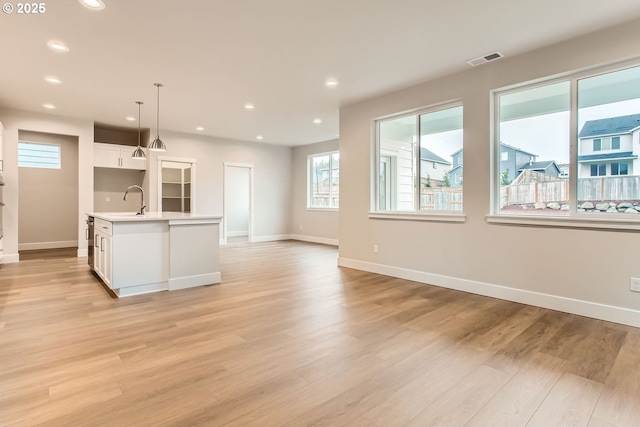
{"type": "Point", "coordinates": [53, 80]}
{"type": "Point", "coordinates": [317, 120]}
{"type": "Point", "coordinates": [259, 137]}
{"type": "Point", "coordinates": [331, 82]}
{"type": "Point", "coordinates": [49, 106]}
{"type": "Point", "coordinates": [93, 4]}
{"type": "Point", "coordinates": [57, 46]}
{"type": "Point", "coordinates": [249, 106]}
{"type": "Point", "coordinates": [130, 119]}
{"type": "Point", "coordinates": [199, 128]}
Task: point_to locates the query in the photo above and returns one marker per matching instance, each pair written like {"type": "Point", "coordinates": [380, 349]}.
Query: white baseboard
{"type": "Point", "coordinates": [9, 258]}
{"type": "Point", "coordinates": [47, 245]}
{"type": "Point", "coordinates": [259, 239]}
{"type": "Point", "coordinates": [192, 281]}
{"type": "Point", "coordinates": [315, 239]}
{"type": "Point", "coordinates": [609, 313]}
{"type": "Point", "coordinates": [237, 233]}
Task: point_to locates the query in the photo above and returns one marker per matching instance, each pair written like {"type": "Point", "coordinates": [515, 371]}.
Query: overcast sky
{"type": "Point", "coordinates": [547, 135]}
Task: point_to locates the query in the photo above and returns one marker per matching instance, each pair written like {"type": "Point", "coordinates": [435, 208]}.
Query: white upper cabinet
{"type": "Point", "coordinates": [116, 156]}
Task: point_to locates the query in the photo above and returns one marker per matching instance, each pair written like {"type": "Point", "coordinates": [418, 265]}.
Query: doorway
{"type": "Point", "coordinates": [47, 191]}
{"type": "Point", "coordinates": [238, 202]}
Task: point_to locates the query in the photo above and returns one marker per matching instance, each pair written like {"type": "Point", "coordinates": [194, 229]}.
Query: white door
{"type": "Point", "coordinates": [238, 209]}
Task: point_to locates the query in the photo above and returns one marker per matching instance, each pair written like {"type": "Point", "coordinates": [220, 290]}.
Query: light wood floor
{"type": "Point", "coordinates": [289, 339]}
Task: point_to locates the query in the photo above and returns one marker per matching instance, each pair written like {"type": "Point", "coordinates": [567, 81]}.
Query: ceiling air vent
{"type": "Point", "coordinates": [484, 59]}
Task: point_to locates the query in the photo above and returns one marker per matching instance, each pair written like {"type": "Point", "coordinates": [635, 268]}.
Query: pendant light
{"type": "Point", "coordinates": [157, 144]}
{"type": "Point", "coordinates": [139, 153]}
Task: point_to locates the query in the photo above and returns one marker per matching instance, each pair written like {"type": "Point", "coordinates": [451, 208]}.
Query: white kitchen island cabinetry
{"type": "Point", "coordinates": [137, 254]}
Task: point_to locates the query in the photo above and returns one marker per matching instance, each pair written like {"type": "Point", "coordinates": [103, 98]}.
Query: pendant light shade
{"type": "Point", "coordinates": [157, 144]}
{"type": "Point", "coordinates": [139, 153]}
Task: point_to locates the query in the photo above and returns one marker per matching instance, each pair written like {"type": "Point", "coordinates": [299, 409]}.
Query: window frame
{"type": "Point", "coordinates": [58, 165]}
{"type": "Point", "coordinates": [310, 158]}
{"type": "Point", "coordinates": [575, 219]}
{"type": "Point", "coordinates": [416, 214]}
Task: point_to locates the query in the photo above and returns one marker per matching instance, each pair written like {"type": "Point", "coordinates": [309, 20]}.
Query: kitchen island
{"type": "Point", "coordinates": [158, 251]}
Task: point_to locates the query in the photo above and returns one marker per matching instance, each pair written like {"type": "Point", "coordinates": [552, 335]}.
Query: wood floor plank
{"type": "Point", "coordinates": [517, 401]}
{"type": "Point", "coordinates": [288, 339]}
{"type": "Point", "coordinates": [619, 403]}
{"type": "Point", "coordinates": [460, 403]}
{"type": "Point", "coordinates": [570, 403]}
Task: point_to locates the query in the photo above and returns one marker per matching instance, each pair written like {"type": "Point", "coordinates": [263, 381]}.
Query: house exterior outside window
{"type": "Point", "coordinates": [323, 180]}
{"type": "Point", "coordinates": [418, 161]}
{"type": "Point", "coordinates": [607, 143]}
{"type": "Point", "coordinates": [589, 123]}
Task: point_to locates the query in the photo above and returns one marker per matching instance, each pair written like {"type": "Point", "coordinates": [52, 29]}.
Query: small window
{"type": "Point", "coordinates": [324, 180]}
{"type": "Point", "coordinates": [624, 168]}
{"type": "Point", "coordinates": [619, 169]}
{"type": "Point", "coordinates": [598, 170]}
{"type": "Point", "coordinates": [504, 156]}
{"type": "Point", "coordinates": [38, 155]}
{"type": "Point", "coordinates": [615, 143]}
{"type": "Point", "coordinates": [597, 144]}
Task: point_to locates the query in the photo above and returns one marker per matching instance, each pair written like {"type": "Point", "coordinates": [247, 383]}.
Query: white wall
{"type": "Point", "coordinates": [583, 271]}
{"type": "Point", "coordinates": [272, 178]}
{"type": "Point", "coordinates": [54, 191]}
{"type": "Point", "coordinates": [15, 120]}
{"type": "Point", "coordinates": [313, 225]}
{"type": "Point", "coordinates": [236, 210]}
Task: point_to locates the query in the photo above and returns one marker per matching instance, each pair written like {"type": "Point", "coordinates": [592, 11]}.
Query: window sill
{"type": "Point", "coordinates": [574, 222]}
{"type": "Point", "coordinates": [419, 216]}
{"type": "Point", "coordinates": [323, 209]}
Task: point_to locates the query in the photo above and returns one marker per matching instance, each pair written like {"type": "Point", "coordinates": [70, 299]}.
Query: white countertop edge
{"type": "Point", "coordinates": [154, 216]}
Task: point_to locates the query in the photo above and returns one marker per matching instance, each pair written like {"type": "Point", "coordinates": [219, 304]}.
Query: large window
{"type": "Point", "coordinates": [324, 180]}
{"type": "Point", "coordinates": [38, 155]}
{"type": "Point", "coordinates": [419, 161]}
{"type": "Point", "coordinates": [591, 123]}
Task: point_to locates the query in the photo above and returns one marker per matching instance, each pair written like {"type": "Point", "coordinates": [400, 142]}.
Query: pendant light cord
{"type": "Point", "coordinates": [158, 114]}
{"type": "Point", "coordinates": [139, 104]}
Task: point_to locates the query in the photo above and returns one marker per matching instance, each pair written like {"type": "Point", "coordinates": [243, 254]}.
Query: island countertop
{"type": "Point", "coordinates": [154, 216]}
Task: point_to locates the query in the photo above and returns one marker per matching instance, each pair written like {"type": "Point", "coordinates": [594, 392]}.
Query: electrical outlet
{"type": "Point", "coordinates": [375, 249]}
{"type": "Point", "coordinates": [107, 199]}
{"type": "Point", "coordinates": [301, 227]}
{"type": "Point", "coordinates": [634, 284]}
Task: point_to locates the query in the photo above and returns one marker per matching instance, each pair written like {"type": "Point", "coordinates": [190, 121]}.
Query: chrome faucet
{"type": "Point", "coordinates": [142, 206]}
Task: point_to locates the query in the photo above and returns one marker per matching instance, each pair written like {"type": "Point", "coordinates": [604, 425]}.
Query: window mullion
{"type": "Point", "coordinates": [331, 180]}
{"type": "Point", "coordinates": [416, 194]}
{"type": "Point", "coordinates": [573, 154]}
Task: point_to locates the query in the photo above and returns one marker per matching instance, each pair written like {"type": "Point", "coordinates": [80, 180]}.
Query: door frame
{"type": "Point", "coordinates": [226, 166]}
{"type": "Point", "coordinates": [193, 162]}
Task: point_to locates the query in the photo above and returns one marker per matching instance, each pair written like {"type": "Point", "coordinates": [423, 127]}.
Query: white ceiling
{"type": "Point", "coordinates": [213, 56]}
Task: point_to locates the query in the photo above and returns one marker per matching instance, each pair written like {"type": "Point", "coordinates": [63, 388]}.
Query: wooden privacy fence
{"type": "Point", "coordinates": [534, 192]}
{"type": "Point", "coordinates": [603, 188]}
{"type": "Point", "coordinates": [441, 199]}
{"type": "Point", "coordinates": [324, 201]}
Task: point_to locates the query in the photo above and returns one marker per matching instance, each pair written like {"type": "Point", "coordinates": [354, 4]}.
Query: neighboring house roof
{"type": "Point", "coordinates": [607, 156]}
{"type": "Point", "coordinates": [540, 166]}
{"type": "Point", "coordinates": [502, 144]}
{"type": "Point", "coordinates": [432, 157]}
{"type": "Point", "coordinates": [454, 168]}
{"type": "Point", "coordinates": [610, 126]}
